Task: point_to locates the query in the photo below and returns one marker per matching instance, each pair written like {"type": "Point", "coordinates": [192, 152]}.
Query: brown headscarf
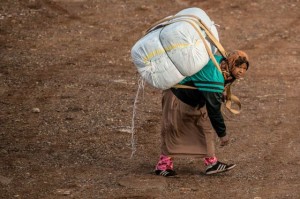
{"type": "Point", "coordinates": [234, 59]}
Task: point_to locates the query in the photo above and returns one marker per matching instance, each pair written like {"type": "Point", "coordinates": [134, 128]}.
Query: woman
{"type": "Point", "coordinates": [191, 117]}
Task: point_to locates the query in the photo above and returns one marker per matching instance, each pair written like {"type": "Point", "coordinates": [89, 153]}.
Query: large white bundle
{"type": "Point", "coordinates": [166, 55]}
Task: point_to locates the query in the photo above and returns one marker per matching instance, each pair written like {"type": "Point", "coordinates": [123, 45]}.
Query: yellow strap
{"type": "Point", "coordinates": [206, 46]}
{"type": "Point", "coordinates": [229, 101]}
{"type": "Point", "coordinates": [232, 99]}
{"type": "Point", "coordinates": [212, 37]}
{"type": "Point", "coordinates": [183, 86]}
{"type": "Point", "coordinates": [236, 100]}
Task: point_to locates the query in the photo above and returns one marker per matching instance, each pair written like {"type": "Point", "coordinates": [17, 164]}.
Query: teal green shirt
{"type": "Point", "coordinates": [209, 78]}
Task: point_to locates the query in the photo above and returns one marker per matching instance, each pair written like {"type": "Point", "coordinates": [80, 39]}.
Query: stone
{"type": "Point", "coordinates": [5, 180]}
{"type": "Point", "coordinates": [36, 110]}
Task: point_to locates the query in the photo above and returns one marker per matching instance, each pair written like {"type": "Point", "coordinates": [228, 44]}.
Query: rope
{"type": "Point", "coordinates": [141, 85]}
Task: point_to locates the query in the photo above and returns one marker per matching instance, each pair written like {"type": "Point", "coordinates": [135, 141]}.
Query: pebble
{"type": "Point", "coordinates": [125, 130]}
{"type": "Point", "coordinates": [36, 110]}
{"type": "Point", "coordinates": [5, 180]}
{"type": "Point", "coordinates": [64, 192]}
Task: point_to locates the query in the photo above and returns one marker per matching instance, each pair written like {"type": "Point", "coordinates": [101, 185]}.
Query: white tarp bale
{"type": "Point", "coordinates": [205, 19]}
{"type": "Point", "coordinates": [167, 55]}
{"type": "Point", "coordinates": [153, 63]}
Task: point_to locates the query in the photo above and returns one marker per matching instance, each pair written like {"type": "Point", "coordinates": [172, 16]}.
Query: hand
{"type": "Point", "coordinates": [224, 96]}
{"type": "Point", "coordinates": [224, 140]}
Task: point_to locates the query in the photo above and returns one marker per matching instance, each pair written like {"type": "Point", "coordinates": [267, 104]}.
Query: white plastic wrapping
{"type": "Point", "coordinates": [167, 55]}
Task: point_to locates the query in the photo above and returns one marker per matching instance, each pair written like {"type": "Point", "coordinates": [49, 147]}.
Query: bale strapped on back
{"type": "Point", "coordinates": [179, 46]}
{"type": "Point", "coordinates": [174, 48]}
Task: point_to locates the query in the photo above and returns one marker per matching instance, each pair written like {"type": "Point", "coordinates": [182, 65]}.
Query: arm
{"type": "Point", "coordinates": [213, 106]}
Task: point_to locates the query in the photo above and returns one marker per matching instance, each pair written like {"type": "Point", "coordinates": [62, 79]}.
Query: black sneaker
{"type": "Point", "coordinates": [166, 173]}
{"type": "Point", "coordinates": [218, 167]}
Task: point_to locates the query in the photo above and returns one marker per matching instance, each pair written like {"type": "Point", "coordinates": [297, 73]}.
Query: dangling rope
{"type": "Point", "coordinates": [141, 85]}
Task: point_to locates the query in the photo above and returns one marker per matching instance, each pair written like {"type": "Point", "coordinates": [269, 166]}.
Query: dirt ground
{"type": "Point", "coordinates": [67, 87]}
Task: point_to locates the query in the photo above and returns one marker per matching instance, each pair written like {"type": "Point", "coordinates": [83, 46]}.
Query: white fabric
{"type": "Point", "coordinates": [205, 18]}
{"type": "Point", "coordinates": [167, 55]}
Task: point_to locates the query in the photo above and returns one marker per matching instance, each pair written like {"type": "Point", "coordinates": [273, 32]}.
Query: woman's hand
{"type": "Point", "coordinates": [224, 140]}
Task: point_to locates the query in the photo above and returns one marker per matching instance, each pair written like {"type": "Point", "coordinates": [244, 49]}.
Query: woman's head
{"type": "Point", "coordinates": [238, 63]}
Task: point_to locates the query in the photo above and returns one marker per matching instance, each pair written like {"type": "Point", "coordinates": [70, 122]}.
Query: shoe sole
{"type": "Point", "coordinates": [221, 171]}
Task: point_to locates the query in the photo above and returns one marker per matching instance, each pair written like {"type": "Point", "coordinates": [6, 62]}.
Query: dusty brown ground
{"type": "Point", "coordinates": [71, 60]}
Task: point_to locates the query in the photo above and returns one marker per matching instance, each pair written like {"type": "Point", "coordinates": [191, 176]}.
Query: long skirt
{"type": "Point", "coordinates": [186, 130]}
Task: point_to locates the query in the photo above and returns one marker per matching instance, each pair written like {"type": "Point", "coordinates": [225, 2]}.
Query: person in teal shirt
{"type": "Point", "coordinates": [192, 117]}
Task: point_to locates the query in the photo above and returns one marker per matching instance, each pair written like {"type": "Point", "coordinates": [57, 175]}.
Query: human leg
{"type": "Point", "coordinates": [165, 166]}
{"type": "Point", "coordinates": [211, 162]}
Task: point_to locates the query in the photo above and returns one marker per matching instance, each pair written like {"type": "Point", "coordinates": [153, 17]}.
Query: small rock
{"type": "Point", "coordinates": [36, 110]}
{"type": "Point", "coordinates": [125, 130]}
{"type": "Point", "coordinates": [64, 192]}
{"type": "Point", "coordinates": [294, 52]}
{"type": "Point", "coordinates": [5, 180]}
{"type": "Point", "coordinates": [33, 4]}
{"type": "Point", "coordinates": [184, 189]}
{"type": "Point", "coordinates": [144, 8]}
